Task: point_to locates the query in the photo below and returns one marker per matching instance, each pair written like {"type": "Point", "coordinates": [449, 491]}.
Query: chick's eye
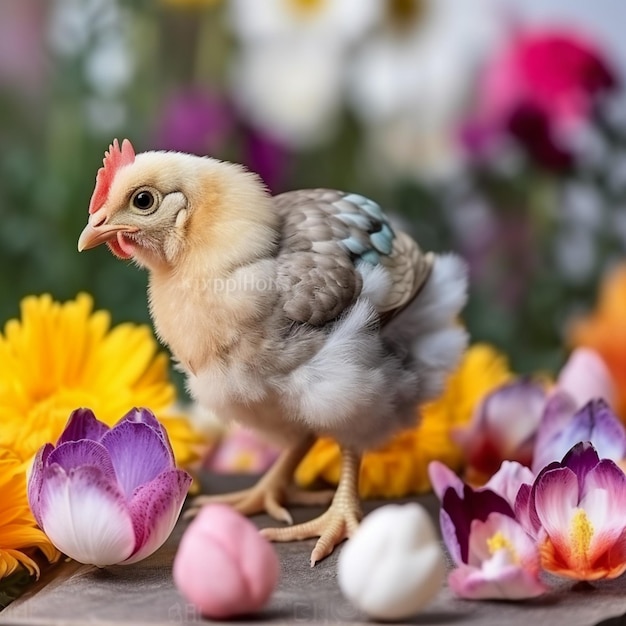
{"type": "Point", "coordinates": [144, 200]}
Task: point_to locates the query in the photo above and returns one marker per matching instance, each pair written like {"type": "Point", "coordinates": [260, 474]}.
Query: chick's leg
{"type": "Point", "coordinates": [272, 490]}
{"type": "Point", "coordinates": [340, 520]}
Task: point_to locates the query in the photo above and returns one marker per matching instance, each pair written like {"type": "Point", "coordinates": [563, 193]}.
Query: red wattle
{"type": "Point", "coordinates": [121, 247]}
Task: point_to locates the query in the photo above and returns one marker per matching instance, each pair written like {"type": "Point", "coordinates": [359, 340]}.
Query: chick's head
{"type": "Point", "coordinates": [154, 207]}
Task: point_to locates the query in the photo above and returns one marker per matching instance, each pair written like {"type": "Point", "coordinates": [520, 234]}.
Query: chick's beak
{"type": "Point", "coordinates": [97, 232]}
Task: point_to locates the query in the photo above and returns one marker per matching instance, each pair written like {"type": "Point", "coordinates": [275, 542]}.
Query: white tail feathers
{"type": "Point", "coordinates": [431, 324]}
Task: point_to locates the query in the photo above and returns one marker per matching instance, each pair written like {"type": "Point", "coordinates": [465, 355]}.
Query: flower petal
{"type": "Point", "coordinates": [556, 496]}
{"type": "Point", "coordinates": [138, 454]}
{"type": "Point", "coordinates": [473, 505]}
{"type": "Point", "coordinates": [86, 516]}
{"type": "Point", "coordinates": [147, 417]}
{"type": "Point", "coordinates": [514, 412]}
{"type": "Point", "coordinates": [442, 477]}
{"type": "Point", "coordinates": [586, 376]}
{"type": "Point", "coordinates": [155, 507]}
{"type": "Point", "coordinates": [525, 511]}
{"type": "Point", "coordinates": [448, 532]}
{"type": "Point", "coordinates": [558, 412]}
{"type": "Point", "coordinates": [507, 481]}
{"type": "Point", "coordinates": [503, 427]}
{"type": "Point", "coordinates": [82, 453]}
{"type": "Point", "coordinates": [521, 548]}
{"type": "Point", "coordinates": [597, 423]}
{"type": "Point", "coordinates": [501, 581]}
{"type": "Point", "coordinates": [82, 424]}
{"type": "Point", "coordinates": [35, 480]}
{"type": "Point", "coordinates": [604, 501]}
{"type": "Point", "coordinates": [581, 459]}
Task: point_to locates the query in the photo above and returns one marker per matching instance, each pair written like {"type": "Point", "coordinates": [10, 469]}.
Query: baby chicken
{"type": "Point", "coordinates": [299, 315]}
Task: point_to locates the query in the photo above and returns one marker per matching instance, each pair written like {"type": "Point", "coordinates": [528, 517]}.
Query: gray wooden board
{"type": "Point", "coordinates": [144, 593]}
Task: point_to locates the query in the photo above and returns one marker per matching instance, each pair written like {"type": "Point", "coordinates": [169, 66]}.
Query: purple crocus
{"type": "Point", "coordinates": [108, 495]}
{"type": "Point", "coordinates": [506, 482]}
{"type": "Point", "coordinates": [576, 508]}
{"type": "Point", "coordinates": [494, 556]}
{"type": "Point", "coordinates": [503, 427]}
{"type": "Point", "coordinates": [562, 427]}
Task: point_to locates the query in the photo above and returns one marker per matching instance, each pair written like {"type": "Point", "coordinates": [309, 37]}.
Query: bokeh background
{"type": "Point", "coordinates": [496, 128]}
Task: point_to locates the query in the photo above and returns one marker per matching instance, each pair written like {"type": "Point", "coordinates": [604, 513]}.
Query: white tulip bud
{"type": "Point", "coordinates": [394, 564]}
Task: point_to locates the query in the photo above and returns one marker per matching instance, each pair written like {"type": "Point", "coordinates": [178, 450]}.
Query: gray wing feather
{"type": "Point", "coordinates": [324, 234]}
{"type": "Point", "coordinates": [316, 275]}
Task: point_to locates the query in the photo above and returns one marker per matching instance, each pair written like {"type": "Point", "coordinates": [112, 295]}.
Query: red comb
{"type": "Point", "coordinates": [114, 158]}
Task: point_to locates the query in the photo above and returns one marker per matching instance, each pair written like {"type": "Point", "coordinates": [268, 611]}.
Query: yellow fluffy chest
{"type": "Point", "coordinates": [202, 318]}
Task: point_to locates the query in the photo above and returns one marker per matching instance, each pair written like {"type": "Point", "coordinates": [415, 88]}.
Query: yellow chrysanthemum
{"type": "Point", "coordinates": [19, 536]}
{"type": "Point", "coordinates": [59, 357]}
{"type": "Point", "coordinates": [400, 467]}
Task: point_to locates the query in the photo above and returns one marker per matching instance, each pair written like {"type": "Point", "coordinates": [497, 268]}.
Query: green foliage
{"type": "Point", "coordinates": [11, 587]}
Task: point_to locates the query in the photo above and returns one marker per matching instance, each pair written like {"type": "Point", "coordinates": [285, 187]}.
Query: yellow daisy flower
{"type": "Point", "coordinates": [59, 357]}
{"type": "Point", "coordinates": [19, 536]}
{"type": "Point", "coordinates": [400, 467]}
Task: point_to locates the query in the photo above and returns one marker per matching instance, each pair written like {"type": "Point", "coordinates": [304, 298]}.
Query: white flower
{"type": "Point", "coordinates": [104, 115]}
{"type": "Point", "coordinates": [334, 20]}
{"type": "Point", "coordinates": [109, 66]}
{"type": "Point", "coordinates": [410, 82]}
{"type": "Point", "coordinates": [69, 28]}
{"type": "Point", "coordinates": [73, 22]}
{"type": "Point", "coordinates": [575, 254]}
{"type": "Point", "coordinates": [291, 90]}
{"type": "Point", "coordinates": [394, 563]}
{"type": "Point", "coordinates": [413, 147]}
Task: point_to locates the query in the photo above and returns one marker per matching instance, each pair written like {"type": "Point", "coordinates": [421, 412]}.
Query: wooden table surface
{"type": "Point", "coordinates": [144, 593]}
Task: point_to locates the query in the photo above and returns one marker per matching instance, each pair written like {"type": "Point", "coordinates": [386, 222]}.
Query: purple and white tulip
{"type": "Point", "coordinates": [502, 562]}
{"type": "Point", "coordinates": [506, 482]}
{"type": "Point", "coordinates": [494, 556]}
{"type": "Point", "coordinates": [503, 427]}
{"type": "Point", "coordinates": [105, 495]}
{"type": "Point", "coordinates": [562, 427]}
{"type": "Point", "coordinates": [576, 508]}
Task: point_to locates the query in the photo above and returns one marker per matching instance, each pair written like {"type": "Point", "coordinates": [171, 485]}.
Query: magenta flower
{"type": "Point", "coordinates": [195, 121]}
{"type": "Point", "coordinates": [576, 508]}
{"type": "Point", "coordinates": [503, 427]}
{"type": "Point", "coordinates": [495, 557]}
{"type": "Point", "coordinates": [503, 563]}
{"type": "Point", "coordinates": [543, 84]}
{"type": "Point", "coordinates": [269, 158]}
{"type": "Point", "coordinates": [562, 427]}
{"type": "Point", "coordinates": [506, 482]}
{"type": "Point", "coordinates": [509, 479]}
{"type": "Point", "coordinates": [23, 53]}
{"type": "Point", "coordinates": [108, 495]}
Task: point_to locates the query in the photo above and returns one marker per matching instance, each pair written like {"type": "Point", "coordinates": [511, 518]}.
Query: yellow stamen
{"type": "Point", "coordinates": [500, 542]}
{"type": "Point", "coordinates": [306, 7]}
{"type": "Point", "coordinates": [244, 462]}
{"type": "Point", "coordinates": [580, 534]}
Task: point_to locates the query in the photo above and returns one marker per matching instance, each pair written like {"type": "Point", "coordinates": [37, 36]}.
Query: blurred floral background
{"type": "Point", "coordinates": [496, 128]}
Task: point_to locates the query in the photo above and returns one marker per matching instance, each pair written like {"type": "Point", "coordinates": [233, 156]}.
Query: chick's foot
{"type": "Point", "coordinates": [272, 491]}
{"type": "Point", "coordinates": [338, 523]}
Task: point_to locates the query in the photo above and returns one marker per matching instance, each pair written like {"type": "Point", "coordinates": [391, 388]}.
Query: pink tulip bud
{"type": "Point", "coordinates": [224, 567]}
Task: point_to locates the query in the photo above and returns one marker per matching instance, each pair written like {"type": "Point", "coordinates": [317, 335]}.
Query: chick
{"type": "Point", "coordinates": [299, 315]}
